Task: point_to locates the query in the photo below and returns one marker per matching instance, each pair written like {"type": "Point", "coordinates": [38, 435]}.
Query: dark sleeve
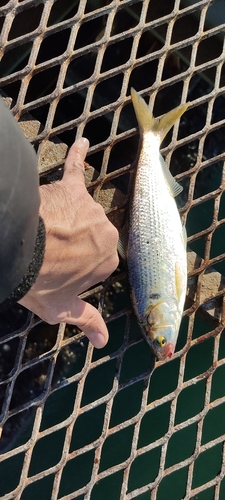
{"type": "Point", "coordinates": [21, 230]}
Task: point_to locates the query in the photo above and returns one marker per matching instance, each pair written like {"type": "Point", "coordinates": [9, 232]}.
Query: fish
{"type": "Point", "coordinates": [155, 247]}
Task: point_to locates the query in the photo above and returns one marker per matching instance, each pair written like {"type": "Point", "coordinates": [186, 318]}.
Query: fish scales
{"type": "Point", "coordinates": [156, 253]}
{"type": "Point", "coordinates": [152, 237]}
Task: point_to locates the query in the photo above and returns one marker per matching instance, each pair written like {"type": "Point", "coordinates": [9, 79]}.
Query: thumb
{"type": "Point", "coordinates": [74, 164]}
{"type": "Point", "coordinates": [90, 321]}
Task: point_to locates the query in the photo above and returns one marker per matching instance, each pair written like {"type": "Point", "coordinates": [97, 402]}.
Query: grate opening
{"type": "Point", "coordinates": [62, 10]}
{"type": "Point", "coordinates": [15, 59]}
{"type": "Point", "coordinates": [19, 27]}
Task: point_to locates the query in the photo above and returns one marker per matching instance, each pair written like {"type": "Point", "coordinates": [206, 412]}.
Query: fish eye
{"type": "Point", "coordinates": [161, 340]}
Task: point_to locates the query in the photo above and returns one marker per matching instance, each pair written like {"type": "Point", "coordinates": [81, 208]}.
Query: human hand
{"type": "Point", "coordinates": [81, 250]}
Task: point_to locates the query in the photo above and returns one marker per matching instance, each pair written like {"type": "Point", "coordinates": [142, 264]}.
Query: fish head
{"type": "Point", "coordinates": [161, 345]}
{"type": "Point", "coordinates": [161, 342]}
{"type": "Point", "coordinates": [161, 329]}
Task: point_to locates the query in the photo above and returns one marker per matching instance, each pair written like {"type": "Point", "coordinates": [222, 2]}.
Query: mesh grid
{"type": "Point", "coordinates": [87, 424]}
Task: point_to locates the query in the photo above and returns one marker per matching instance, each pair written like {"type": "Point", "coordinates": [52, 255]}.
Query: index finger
{"type": "Point", "coordinates": [88, 319]}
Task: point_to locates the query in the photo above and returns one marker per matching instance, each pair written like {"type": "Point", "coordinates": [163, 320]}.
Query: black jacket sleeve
{"type": "Point", "coordinates": [21, 230]}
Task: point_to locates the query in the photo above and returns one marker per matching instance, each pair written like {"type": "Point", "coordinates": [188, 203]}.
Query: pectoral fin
{"type": "Point", "coordinates": [123, 240]}
{"type": "Point", "coordinates": [179, 283]}
{"type": "Point", "coordinates": [184, 236]}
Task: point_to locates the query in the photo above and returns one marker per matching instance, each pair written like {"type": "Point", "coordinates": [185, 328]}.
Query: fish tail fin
{"type": "Point", "coordinates": [168, 120]}
{"type": "Point", "coordinates": [147, 122]}
{"type": "Point", "coordinates": [144, 116]}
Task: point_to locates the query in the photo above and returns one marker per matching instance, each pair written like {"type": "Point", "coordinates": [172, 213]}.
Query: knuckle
{"type": "Point", "coordinates": [98, 210]}
{"type": "Point", "coordinates": [113, 263]}
{"type": "Point", "coordinates": [115, 235]}
{"type": "Point", "coordinates": [109, 266]}
{"type": "Point", "coordinates": [76, 165]}
{"type": "Point", "coordinates": [110, 229]}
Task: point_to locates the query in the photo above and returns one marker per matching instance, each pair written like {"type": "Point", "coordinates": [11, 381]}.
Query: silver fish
{"type": "Point", "coordinates": [156, 247]}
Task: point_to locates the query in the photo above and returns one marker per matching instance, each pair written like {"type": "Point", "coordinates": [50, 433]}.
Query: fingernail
{"type": "Point", "coordinates": [97, 339]}
{"type": "Point", "coordinates": [83, 142]}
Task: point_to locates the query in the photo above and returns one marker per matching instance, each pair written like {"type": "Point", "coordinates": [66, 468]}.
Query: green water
{"type": "Point", "coordinates": [154, 425]}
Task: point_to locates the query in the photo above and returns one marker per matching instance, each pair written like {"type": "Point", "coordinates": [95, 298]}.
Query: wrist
{"type": "Point", "coordinates": [31, 275]}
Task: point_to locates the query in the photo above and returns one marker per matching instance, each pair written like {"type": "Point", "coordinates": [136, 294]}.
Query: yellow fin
{"type": "Point", "coordinates": [184, 236]}
{"type": "Point", "coordinates": [147, 122]}
{"type": "Point", "coordinates": [179, 282]}
{"type": "Point", "coordinates": [142, 111]}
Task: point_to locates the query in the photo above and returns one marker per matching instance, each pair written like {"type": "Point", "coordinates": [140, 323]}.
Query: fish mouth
{"type": "Point", "coordinates": [162, 353]}
{"type": "Point", "coordinates": [166, 352]}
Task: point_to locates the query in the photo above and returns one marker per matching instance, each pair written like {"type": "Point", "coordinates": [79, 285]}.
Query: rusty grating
{"type": "Point", "coordinates": [78, 423]}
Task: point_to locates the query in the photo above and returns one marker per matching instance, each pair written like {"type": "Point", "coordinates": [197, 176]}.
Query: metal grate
{"type": "Point", "coordinates": [86, 424]}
